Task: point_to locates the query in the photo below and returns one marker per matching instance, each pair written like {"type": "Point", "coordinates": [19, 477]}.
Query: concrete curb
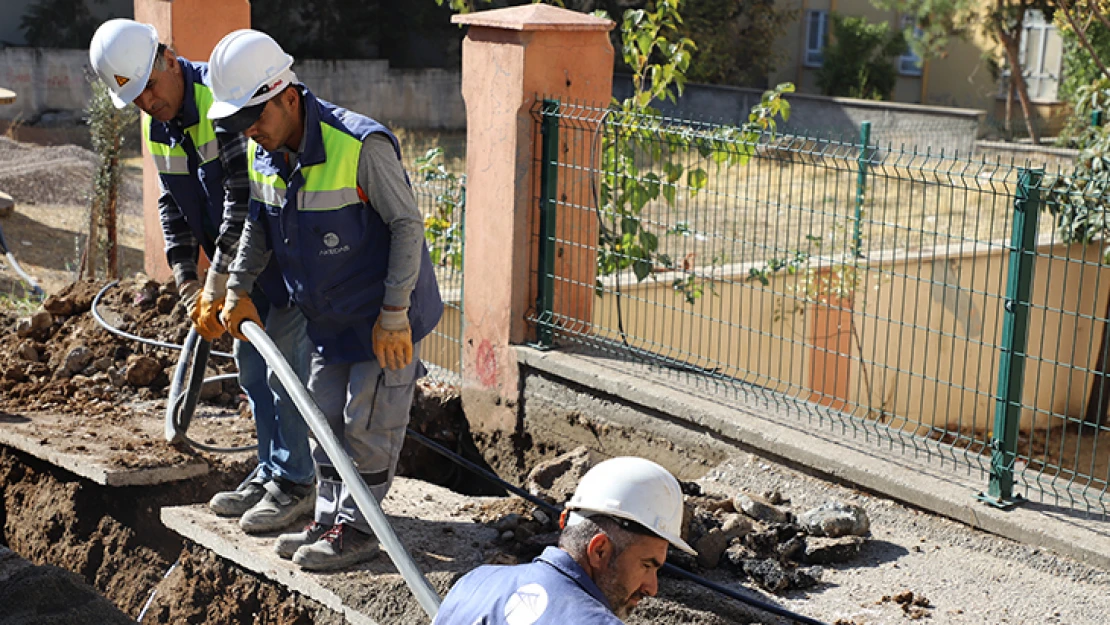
{"type": "Point", "coordinates": [772, 431]}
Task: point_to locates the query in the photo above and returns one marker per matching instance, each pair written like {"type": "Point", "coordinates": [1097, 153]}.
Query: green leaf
{"type": "Point", "coordinates": [630, 226]}
{"type": "Point", "coordinates": [697, 179]}
{"type": "Point", "coordinates": [642, 269]}
{"type": "Point", "coordinates": [669, 193]}
{"type": "Point", "coordinates": [673, 171]}
{"type": "Point", "coordinates": [649, 241]}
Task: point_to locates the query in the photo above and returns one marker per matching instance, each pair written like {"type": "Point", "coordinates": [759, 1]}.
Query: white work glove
{"type": "Point", "coordinates": [215, 286]}
{"type": "Point", "coordinates": [188, 291]}
{"type": "Point", "coordinates": [393, 339]}
{"type": "Point", "coordinates": [207, 312]}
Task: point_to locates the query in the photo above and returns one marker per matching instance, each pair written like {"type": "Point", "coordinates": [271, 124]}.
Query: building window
{"type": "Point", "coordinates": [909, 64]}
{"type": "Point", "coordinates": [817, 36]}
{"type": "Point", "coordinates": [1042, 58]}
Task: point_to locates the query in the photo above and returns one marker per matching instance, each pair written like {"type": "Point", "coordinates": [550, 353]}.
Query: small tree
{"type": "Point", "coordinates": [860, 62]}
{"type": "Point", "coordinates": [1001, 21]}
{"type": "Point", "coordinates": [108, 126]}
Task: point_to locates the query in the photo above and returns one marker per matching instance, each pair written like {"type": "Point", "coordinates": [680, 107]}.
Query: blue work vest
{"type": "Point", "coordinates": [187, 157]}
{"type": "Point", "coordinates": [331, 245]}
{"type": "Point", "coordinates": [551, 590]}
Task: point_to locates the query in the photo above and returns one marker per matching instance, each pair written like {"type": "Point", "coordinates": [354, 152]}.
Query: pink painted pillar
{"type": "Point", "coordinates": [511, 58]}
{"type": "Point", "coordinates": [192, 28]}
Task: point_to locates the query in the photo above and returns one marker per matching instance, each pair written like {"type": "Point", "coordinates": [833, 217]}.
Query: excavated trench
{"type": "Point", "coordinates": [104, 396]}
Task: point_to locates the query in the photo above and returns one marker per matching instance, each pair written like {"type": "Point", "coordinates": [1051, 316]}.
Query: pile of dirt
{"type": "Point", "coordinates": [35, 174]}
{"type": "Point", "coordinates": [747, 536]}
{"type": "Point", "coordinates": [61, 360]}
{"type": "Point", "coordinates": [48, 595]}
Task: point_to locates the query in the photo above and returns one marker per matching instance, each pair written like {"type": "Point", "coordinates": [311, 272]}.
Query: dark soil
{"type": "Point", "coordinates": [48, 595]}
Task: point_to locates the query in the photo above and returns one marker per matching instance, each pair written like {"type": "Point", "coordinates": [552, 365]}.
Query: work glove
{"type": "Point", "coordinates": [188, 291]}
{"type": "Point", "coordinates": [206, 315]}
{"type": "Point", "coordinates": [393, 339]}
{"type": "Point", "coordinates": [238, 308]}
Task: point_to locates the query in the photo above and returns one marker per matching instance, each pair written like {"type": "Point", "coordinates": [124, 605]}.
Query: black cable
{"type": "Point", "coordinates": [181, 413]}
{"type": "Point", "coordinates": [556, 510]}
{"type": "Point", "coordinates": [134, 337]}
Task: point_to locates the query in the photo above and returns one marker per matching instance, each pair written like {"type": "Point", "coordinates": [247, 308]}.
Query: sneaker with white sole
{"type": "Point", "coordinates": [288, 544]}
{"type": "Point", "coordinates": [341, 546]}
{"type": "Point", "coordinates": [282, 504]}
{"type": "Point", "coordinates": [236, 502]}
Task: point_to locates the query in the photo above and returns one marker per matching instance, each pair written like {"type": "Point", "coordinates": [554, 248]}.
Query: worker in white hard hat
{"type": "Point", "coordinates": [330, 201]}
{"type": "Point", "coordinates": [202, 172]}
{"type": "Point", "coordinates": [616, 529]}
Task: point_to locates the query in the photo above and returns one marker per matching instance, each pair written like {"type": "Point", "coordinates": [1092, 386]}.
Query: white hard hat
{"type": "Point", "coordinates": [633, 489]}
{"type": "Point", "coordinates": [247, 68]}
{"type": "Point", "coordinates": [122, 54]}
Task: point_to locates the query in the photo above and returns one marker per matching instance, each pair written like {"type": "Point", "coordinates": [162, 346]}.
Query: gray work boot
{"type": "Point", "coordinates": [339, 547]}
{"type": "Point", "coordinates": [288, 544]}
{"type": "Point", "coordinates": [284, 503]}
{"type": "Point", "coordinates": [236, 502]}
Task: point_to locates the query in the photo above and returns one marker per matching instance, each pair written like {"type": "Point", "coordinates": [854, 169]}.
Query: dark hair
{"type": "Point", "coordinates": [160, 57]}
{"type": "Point", "coordinates": [576, 538]}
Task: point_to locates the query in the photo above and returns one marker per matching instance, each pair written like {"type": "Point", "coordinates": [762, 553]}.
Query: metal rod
{"type": "Point", "coordinates": [1015, 325]}
{"type": "Point", "coordinates": [549, 176]}
{"type": "Point", "coordinates": [861, 188]}
{"type": "Point", "coordinates": [421, 589]}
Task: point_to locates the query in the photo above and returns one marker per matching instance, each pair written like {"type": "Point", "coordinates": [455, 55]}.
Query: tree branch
{"type": "Point", "coordinates": [1098, 13]}
{"type": "Point", "coordinates": [1081, 34]}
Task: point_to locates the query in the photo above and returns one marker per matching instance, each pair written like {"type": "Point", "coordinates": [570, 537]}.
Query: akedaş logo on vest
{"type": "Point", "coordinates": [331, 240]}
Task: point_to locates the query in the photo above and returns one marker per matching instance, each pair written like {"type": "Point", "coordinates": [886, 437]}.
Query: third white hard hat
{"type": "Point", "coordinates": [122, 54]}
{"type": "Point", "coordinates": [634, 489]}
{"type": "Point", "coordinates": [247, 68]}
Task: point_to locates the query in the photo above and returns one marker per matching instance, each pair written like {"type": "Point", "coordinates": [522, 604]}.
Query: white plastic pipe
{"type": "Point", "coordinates": [421, 589]}
{"type": "Point", "coordinates": [35, 288]}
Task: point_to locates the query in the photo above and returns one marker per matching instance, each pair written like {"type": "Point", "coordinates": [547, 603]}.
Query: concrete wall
{"type": "Point", "coordinates": [404, 98]}
{"type": "Point", "coordinates": [43, 80]}
{"type": "Point", "coordinates": [892, 123]}
{"type": "Point", "coordinates": [50, 80]}
{"type": "Point", "coordinates": [928, 328]}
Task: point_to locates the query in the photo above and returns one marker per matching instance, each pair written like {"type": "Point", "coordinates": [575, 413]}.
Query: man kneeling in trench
{"type": "Point", "coordinates": [616, 529]}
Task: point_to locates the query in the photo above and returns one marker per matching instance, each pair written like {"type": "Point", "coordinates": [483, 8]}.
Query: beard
{"type": "Point", "coordinates": [621, 599]}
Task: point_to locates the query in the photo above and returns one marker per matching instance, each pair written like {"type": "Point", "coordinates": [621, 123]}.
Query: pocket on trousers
{"type": "Point", "coordinates": [393, 397]}
{"type": "Point", "coordinates": [403, 377]}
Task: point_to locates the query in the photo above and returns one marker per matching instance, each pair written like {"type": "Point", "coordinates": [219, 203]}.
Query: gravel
{"type": "Point", "coordinates": [963, 575]}
{"type": "Point", "coordinates": [63, 174]}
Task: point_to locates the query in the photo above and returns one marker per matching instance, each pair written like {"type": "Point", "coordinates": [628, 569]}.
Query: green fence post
{"type": "Point", "coordinates": [861, 188]}
{"type": "Point", "coordinates": [549, 178]}
{"type": "Point", "coordinates": [1096, 118]}
{"type": "Point", "coordinates": [1015, 326]}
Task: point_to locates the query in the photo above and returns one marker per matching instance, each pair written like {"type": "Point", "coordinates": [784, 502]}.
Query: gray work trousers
{"type": "Point", "coordinates": [367, 409]}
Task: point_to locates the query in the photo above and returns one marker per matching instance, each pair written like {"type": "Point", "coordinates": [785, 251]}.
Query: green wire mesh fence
{"type": "Point", "coordinates": [439, 185]}
{"type": "Point", "coordinates": [922, 301]}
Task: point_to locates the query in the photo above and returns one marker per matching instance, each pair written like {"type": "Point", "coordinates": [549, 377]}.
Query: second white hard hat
{"type": "Point", "coordinates": [633, 489]}
{"type": "Point", "coordinates": [122, 54]}
{"type": "Point", "coordinates": [247, 68]}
